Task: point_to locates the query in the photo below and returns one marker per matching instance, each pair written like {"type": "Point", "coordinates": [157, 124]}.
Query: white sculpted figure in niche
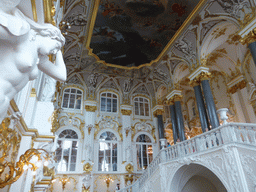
{"type": "Point", "coordinates": [127, 85]}
{"type": "Point", "coordinates": [93, 79]}
{"type": "Point", "coordinates": [24, 46]}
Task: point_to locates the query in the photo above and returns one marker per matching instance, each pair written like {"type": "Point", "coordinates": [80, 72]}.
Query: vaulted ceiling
{"type": "Point", "coordinates": [145, 37]}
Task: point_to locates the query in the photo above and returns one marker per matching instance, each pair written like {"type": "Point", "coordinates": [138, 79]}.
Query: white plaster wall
{"type": "Point", "coordinates": [199, 184]}
{"type": "Point", "coordinates": [41, 122]}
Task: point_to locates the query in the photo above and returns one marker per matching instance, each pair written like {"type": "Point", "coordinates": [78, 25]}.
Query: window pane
{"type": "Point", "coordinates": [109, 94]}
{"type": "Point", "coordinates": [100, 165]}
{"type": "Point", "coordinates": [141, 109]}
{"type": "Point", "coordinates": [139, 163]}
{"type": "Point", "coordinates": [72, 101]}
{"type": "Point", "coordinates": [67, 90]}
{"type": "Point", "coordinates": [137, 109]}
{"type": "Point", "coordinates": [73, 90]}
{"type": "Point", "coordinates": [146, 110]}
{"type": "Point", "coordinates": [114, 96]}
{"type": "Point", "coordinates": [108, 105]}
{"type": "Point", "coordinates": [79, 92]}
{"type": "Point", "coordinates": [103, 104]}
{"type": "Point", "coordinates": [72, 167]}
{"type": "Point", "coordinates": [73, 159]}
{"type": "Point", "coordinates": [65, 100]}
{"type": "Point", "coordinates": [114, 105]}
{"type": "Point", "coordinates": [78, 104]}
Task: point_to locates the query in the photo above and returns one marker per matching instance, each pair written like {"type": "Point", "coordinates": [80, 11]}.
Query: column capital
{"type": "Point", "coordinates": [158, 110]}
{"type": "Point", "coordinates": [200, 73]}
{"type": "Point", "coordinates": [90, 105]}
{"type": "Point", "coordinates": [249, 37]}
{"type": "Point", "coordinates": [170, 96]}
{"type": "Point", "coordinates": [126, 109]}
{"type": "Point", "coordinates": [236, 84]}
{"type": "Point", "coordinates": [248, 33]}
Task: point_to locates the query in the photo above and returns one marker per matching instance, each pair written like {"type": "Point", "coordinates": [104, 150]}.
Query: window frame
{"type": "Point", "coordinates": [63, 139]}
{"type": "Point", "coordinates": [112, 98]}
{"type": "Point", "coordinates": [112, 142]}
{"type": "Point", "coordinates": [143, 102]}
{"type": "Point", "coordinates": [147, 144]}
{"type": "Point", "coordinates": [75, 99]}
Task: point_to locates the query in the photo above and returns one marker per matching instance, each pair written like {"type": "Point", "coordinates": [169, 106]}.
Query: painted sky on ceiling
{"type": "Point", "coordinates": [134, 32]}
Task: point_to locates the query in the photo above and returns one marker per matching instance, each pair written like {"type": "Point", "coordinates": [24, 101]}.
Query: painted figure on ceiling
{"type": "Point", "coordinates": [24, 49]}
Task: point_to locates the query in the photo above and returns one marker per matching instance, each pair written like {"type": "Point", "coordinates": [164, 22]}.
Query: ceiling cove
{"type": "Point", "coordinates": [135, 33]}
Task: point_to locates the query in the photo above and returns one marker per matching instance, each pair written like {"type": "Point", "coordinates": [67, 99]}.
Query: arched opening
{"type": "Point", "coordinates": [196, 178]}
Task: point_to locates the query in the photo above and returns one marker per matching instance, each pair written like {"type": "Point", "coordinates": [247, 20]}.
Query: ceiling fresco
{"type": "Point", "coordinates": [135, 32]}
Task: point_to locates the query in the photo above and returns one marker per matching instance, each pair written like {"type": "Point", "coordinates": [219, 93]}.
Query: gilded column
{"type": "Point", "coordinates": [209, 101]}
{"type": "Point", "coordinates": [200, 105]}
{"type": "Point", "coordinates": [174, 122]}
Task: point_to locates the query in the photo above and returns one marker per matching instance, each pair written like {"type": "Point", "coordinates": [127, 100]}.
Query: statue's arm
{"type": "Point", "coordinates": [57, 71]}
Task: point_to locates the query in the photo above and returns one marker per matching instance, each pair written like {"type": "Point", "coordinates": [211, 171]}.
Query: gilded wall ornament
{"type": "Point", "coordinates": [129, 168]}
{"type": "Point", "coordinates": [90, 108]}
{"type": "Point", "coordinates": [87, 168]}
{"type": "Point", "coordinates": [126, 112]}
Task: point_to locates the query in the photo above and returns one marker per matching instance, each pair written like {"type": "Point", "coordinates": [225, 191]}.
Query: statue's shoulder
{"type": "Point", "coordinates": [16, 24]}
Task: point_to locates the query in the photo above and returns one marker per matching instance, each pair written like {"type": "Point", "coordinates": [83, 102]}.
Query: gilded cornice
{"type": "Point", "coordinates": [126, 112]}
{"type": "Point", "coordinates": [249, 38]}
{"type": "Point", "coordinates": [239, 85]}
{"type": "Point", "coordinates": [158, 112]}
{"type": "Point", "coordinates": [177, 98]}
{"type": "Point", "coordinates": [90, 108]}
{"type": "Point", "coordinates": [204, 76]}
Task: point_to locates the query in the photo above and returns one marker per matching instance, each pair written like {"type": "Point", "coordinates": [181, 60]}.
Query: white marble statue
{"type": "Point", "coordinates": [24, 49]}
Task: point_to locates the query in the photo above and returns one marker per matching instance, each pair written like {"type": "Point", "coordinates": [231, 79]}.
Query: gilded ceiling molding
{"type": "Point", "coordinates": [180, 31]}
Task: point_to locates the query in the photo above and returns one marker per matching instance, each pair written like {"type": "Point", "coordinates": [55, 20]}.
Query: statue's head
{"type": "Point", "coordinates": [52, 41]}
{"type": "Point", "coordinates": [48, 30]}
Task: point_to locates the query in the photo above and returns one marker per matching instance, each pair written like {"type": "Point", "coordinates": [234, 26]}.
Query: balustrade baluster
{"type": "Point", "coordinates": [253, 134]}
{"type": "Point", "coordinates": [213, 138]}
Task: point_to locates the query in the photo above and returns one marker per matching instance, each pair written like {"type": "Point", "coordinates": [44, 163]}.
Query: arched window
{"type": "Point", "coordinates": [107, 152]}
{"type": "Point", "coordinates": [108, 102]}
{"type": "Point", "coordinates": [144, 151]}
{"type": "Point", "coordinates": [72, 98]}
{"type": "Point", "coordinates": [66, 153]}
{"type": "Point", "coordinates": [141, 106]}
